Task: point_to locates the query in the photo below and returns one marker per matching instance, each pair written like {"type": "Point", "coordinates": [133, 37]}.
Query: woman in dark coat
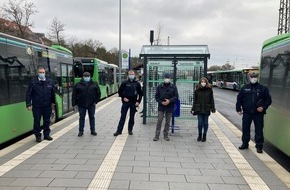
{"type": "Point", "coordinates": [203, 104]}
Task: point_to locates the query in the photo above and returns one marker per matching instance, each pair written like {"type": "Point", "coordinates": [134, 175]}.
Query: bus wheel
{"type": "Point", "coordinates": [53, 116]}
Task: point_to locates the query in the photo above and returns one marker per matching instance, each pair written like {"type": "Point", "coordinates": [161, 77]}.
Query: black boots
{"type": "Point", "coordinates": [203, 139]}
{"type": "Point", "coordinates": [199, 137]}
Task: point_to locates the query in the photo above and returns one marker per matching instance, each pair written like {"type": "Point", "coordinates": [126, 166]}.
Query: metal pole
{"type": "Point", "coordinates": [120, 51]}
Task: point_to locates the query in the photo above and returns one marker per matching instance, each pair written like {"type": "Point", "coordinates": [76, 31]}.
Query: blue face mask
{"type": "Point", "coordinates": [41, 75]}
{"type": "Point", "coordinates": [131, 77]}
{"type": "Point", "coordinates": [87, 79]}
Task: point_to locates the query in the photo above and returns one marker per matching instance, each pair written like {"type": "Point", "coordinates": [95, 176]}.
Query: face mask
{"type": "Point", "coordinates": [87, 79]}
{"type": "Point", "coordinates": [203, 84]}
{"type": "Point", "coordinates": [131, 77]}
{"type": "Point", "coordinates": [253, 80]}
{"type": "Point", "coordinates": [41, 75]}
{"type": "Point", "coordinates": [166, 80]}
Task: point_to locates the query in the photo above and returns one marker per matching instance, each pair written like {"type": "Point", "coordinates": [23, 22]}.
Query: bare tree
{"type": "Point", "coordinates": [56, 30]}
{"type": "Point", "coordinates": [159, 34]}
{"type": "Point", "coordinates": [20, 12]}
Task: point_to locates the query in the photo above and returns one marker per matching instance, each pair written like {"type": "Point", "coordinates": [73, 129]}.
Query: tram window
{"type": "Point", "coordinates": [4, 98]}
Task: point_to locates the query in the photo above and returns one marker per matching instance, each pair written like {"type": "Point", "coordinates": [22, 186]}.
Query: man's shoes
{"type": "Point", "coordinates": [49, 138]}
{"type": "Point", "coordinates": [259, 150]}
{"type": "Point", "coordinates": [243, 146]}
{"type": "Point", "coordinates": [38, 139]}
{"type": "Point", "coordinates": [80, 134]}
{"type": "Point", "coordinates": [167, 138]}
{"type": "Point", "coordinates": [130, 133]}
{"type": "Point", "coordinates": [156, 138]}
{"type": "Point", "coordinates": [94, 133]}
{"type": "Point", "coordinates": [117, 133]}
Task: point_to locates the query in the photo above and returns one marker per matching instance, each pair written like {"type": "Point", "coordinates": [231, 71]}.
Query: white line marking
{"type": "Point", "coordinates": [249, 174]}
{"type": "Point", "coordinates": [6, 167]}
{"type": "Point", "coordinates": [103, 177]}
{"type": "Point", "coordinates": [276, 168]}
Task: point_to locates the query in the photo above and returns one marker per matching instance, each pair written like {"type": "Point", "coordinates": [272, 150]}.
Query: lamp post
{"type": "Point", "coordinates": [120, 51]}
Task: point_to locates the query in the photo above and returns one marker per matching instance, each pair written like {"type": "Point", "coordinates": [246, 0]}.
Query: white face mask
{"type": "Point", "coordinates": [203, 84]}
{"type": "Point", "coordinates": [166, 80]}
{"type": "Point", "coordinates": [131, 77]}
{"type": "Point", "coordinates": [253, 80]}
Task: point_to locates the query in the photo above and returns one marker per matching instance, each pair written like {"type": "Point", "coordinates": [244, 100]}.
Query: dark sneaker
{"type": "Point", "coordinates": [259, 150]}
{"type": "Point", "coordinates": [94, 133]}
{"type": "Point", "coordinates": [243, 146]}
{"type": "Point", "coordinates": [49, 138]}
{"type": "Point", "coordinates": [80, 134]}
{"type": "Point", "coordinates": [117, 133]}
{"type": "Point", "coordinates": [130, 133]}
{"type": "Point", "coordinates": [167, 138]}
{"type": "Point", "coordinates": [38, 139]}
{"type": "Point", "coordinates": [155, 138]}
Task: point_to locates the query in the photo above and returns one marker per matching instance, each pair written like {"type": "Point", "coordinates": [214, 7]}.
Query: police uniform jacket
{"type": "Point", "coordinates": [203, 102]}
{"type": "Point", "coordinates": [252, 96]}
{"type": "Point", "coordinates": [131, 90]}
{"type": "Point", "coordinates": [86, 93]}
{"type": "Point", "coordinates": [166, 91]}
{"type": "Point", "coordinates": [40, 93]}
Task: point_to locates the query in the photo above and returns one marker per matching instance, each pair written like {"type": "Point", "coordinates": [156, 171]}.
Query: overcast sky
{"type": "Point", "coordinates": [234, 30]}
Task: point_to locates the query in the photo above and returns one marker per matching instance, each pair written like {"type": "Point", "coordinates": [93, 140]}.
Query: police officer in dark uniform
{"type": "Point", "coordinates": [166, 96]}
{"type": "Point", "coordinates": [86, 95]}
{"type": "Point", "coordinates": [131, 94]}
{"type": "Point", "coordinates": [40, 97]}
{"type": "Point", "coordinates": [253, 101]}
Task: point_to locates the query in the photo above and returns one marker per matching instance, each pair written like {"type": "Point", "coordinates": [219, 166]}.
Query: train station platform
{"type": "Point", "coordinates": [136, 162]}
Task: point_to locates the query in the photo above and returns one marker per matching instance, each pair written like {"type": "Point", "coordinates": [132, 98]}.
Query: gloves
{"type": "Point", "coordinates": [193, 112]}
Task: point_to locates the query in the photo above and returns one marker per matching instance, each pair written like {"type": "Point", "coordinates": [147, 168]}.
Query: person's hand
{"type": "Point", "coordinates": [29, 108]}
{"type": "Point", "coordinates": [240, 112]}
{"type": "Point", "coordinates": [75, 108]}
{"type": "Point", "coordinates": [165, 102]}
{"type": "Point", "coordinates": [137, 104]}
{"type": "Point", "coordinates": [260, 109]}
{"type": "Point", "coordinates": [126, 99]}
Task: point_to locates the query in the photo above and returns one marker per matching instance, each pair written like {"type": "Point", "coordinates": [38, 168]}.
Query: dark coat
{"type": "Point", "coordinates": [166, 91]}
{"type": "Point", "coordinates": [40, 93]}
{"type": "Point", "coordinates": [203, 102]}
{"type": "Point", "coordinates": [131, 90]}
{"type": "Point", "coordinates": [86, 93]}
{"type": "Point", "coordinates": [252, 96]}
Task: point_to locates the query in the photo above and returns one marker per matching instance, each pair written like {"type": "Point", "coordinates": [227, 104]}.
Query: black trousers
{"type": "Point", "coordinates": [45, 113]}
{"type": "Point", "coordinates": [124, 110]}
{"type": "Point", "coordinates": [258, 119]}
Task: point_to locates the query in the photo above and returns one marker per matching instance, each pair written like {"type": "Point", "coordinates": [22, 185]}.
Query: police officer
{"type": "Point", "coordinates": [253, 101]}
{"type": "Point", "coordinates": [86, 94]}
{"type": "Point", "coordinates": [40, 98]}
{"type": "Point", "coordinates": [130, 92]}
{"type": "Point", "coordinates": [166, 96]}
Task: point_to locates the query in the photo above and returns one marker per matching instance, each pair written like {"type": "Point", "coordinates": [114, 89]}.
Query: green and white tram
{"type": "Point", "coordinates": [101, 72]}
{"type": "Point", "coordinates": [275, 74]}
{"type": "Point", "coordinates": [19, 60]}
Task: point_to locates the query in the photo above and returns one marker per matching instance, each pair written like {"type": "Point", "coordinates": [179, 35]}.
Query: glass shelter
{"type": "Point", "coordinates": [186, 64]}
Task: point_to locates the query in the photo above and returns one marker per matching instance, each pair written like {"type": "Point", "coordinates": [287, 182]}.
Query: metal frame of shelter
{"type": "Point", "coordinates": [183, 62]}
